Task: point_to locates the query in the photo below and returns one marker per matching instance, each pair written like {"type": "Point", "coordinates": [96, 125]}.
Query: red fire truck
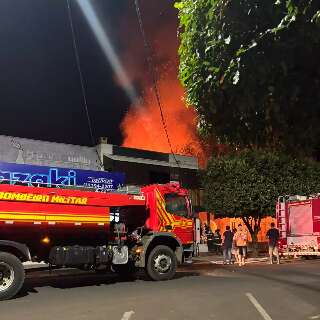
{"type": "Point", "coordinates": [151, 230]}
{"type": "Point", "coordinates": [298, 220]}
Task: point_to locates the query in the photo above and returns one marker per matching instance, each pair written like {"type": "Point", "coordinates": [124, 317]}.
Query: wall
{"type": "Point", "coordinates": [28, 151]}
{"type": "Point", "coordinates": [221, 224]}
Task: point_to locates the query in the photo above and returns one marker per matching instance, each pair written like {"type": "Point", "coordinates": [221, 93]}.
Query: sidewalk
{"type": "Point", "coordinates": [218, 259]}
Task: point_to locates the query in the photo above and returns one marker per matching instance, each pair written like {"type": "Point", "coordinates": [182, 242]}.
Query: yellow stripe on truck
{"type": "Point", "coordinates": [30, 217]}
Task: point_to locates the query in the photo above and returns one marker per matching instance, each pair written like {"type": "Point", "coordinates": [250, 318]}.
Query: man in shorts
{"type": "Point", "coordinates": [273, 236]}
{"type": "Point", "coordinates": [241, 240]}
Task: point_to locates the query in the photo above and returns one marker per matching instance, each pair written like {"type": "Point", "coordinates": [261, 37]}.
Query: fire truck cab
{"type": "Point", "coordinates": [150, 229]}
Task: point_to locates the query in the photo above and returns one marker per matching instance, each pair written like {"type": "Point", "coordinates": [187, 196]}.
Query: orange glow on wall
{"type": "Point", "coordinates": [221, 223]}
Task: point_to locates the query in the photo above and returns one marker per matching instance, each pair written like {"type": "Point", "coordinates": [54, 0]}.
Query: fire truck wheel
{"type": "Point", "coordinates": [11, 275]}
{"type": "Point", "coordinates": [161, 264]}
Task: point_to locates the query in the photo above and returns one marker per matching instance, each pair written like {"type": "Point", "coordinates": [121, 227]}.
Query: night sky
{"type": "Point", "coordinates": [40, 93]}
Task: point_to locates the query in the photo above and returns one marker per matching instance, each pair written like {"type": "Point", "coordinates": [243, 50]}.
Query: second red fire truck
{"type": "Point", "coordinates": [151, 229]}
{"type": "Point", "coordinates": [298, 220]}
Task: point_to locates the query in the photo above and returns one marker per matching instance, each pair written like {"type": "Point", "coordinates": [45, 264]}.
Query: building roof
{"type": "Point", "coordinates": [152, 158]}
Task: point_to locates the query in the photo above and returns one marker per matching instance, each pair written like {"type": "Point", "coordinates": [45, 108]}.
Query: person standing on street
{"type": "Point", "coordinates": [241, 240]}
{"type": "Point", "coordinates": [273, 236]}
{"type": "Point", "coordinates": [227, 245]}
{"type": "Point", "coordinates": [217, 242]}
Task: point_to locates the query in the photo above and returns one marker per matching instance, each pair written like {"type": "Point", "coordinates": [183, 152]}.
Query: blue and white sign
{"type": "Point", "coordinates": [23, 174]}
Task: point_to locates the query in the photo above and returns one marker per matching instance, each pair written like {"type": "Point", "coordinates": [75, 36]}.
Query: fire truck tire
{"type": "Point", "coordinates": [161, 264]}
{"type": "Point", "coordinates": [11, 275]}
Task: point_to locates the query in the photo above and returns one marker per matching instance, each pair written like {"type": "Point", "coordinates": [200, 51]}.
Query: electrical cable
{"type": "Point", "coordinates": [83, 91]}
{"type": "Point", "coordinates": [154, 78]}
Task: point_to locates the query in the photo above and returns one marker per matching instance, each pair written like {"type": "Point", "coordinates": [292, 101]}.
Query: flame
{"type": "Point", "coordinates": [142, 126]}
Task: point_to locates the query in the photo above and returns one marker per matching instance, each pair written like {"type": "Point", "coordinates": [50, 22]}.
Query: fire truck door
{"type": "Point", "coordinates": [180, 220]}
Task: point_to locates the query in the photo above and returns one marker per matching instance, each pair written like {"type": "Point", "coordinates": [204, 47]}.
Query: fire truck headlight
{"type": "Point", "coordinates": [45, 240]}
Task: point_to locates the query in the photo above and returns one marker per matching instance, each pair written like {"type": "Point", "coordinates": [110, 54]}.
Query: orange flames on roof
{"type": "Point", "coordinates": [142, 126]}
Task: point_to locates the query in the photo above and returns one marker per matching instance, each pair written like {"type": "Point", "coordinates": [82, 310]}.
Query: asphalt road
{"type": "Point", "coordinates": [200, 291]}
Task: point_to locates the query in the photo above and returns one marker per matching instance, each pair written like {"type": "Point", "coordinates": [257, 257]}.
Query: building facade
{"type": "Point", "coordinates": [141, 167]}
{"type": "Point", "coordinates": [44, 153]}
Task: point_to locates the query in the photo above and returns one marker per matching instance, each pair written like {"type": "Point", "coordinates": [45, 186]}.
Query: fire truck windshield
{"type": "Point", "coordinates": [176, 204]}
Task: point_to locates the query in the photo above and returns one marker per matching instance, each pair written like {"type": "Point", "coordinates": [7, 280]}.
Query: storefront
{"type": "Point", "coordinates": [140, 167]}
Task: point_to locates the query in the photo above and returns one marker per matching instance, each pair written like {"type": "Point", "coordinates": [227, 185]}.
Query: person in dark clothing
{"type": "Point", "coordinates": [227, 245]}
{"type": "Point", "coordinates": [217, 235]}
{"type": "Point", "coordinates": [208, 232]}
{"type": "Point", "coordinates": [273, 235]}
{"type": "Point", "coordinates": [217, 242]}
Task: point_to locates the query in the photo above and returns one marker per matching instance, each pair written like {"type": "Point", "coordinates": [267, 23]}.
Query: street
{"type": "Point", "coordinates": [137, 134]}
{"type": "Point", "coordinates": [204, 290]}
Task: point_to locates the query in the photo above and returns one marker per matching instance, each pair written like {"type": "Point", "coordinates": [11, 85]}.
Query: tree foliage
{"type": "Point", "coordinates": [247, 184]}
{"type": "Point", "coordinates": [251, 69]}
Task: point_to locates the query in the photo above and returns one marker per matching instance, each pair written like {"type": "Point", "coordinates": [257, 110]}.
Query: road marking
{"type": "Point", "coordinates": [315, 317]}
{"type": "Point", "coordinates": [127, 315]}
{"type": "Point", "coordinates": [248, 261]}
{"type": "Point", "coordinates": [258, 306]}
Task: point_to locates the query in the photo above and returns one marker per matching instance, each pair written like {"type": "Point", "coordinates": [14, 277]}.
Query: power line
{"type": "Point", "coordinates": [76, 53]}
{"type": "Point", "coordinates": [83, 91]}
{"type": "Point", "coordinates": [154, 78]}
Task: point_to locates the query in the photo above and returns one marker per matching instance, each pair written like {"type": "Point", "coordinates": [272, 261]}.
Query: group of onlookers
{"type": "Point", "coordinates": [235, 244]}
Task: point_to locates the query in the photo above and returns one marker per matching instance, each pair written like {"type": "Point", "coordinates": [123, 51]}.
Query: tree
{"type": "Point", "coordinates": [251, 69]}
{"type": "Point", "coordinates": [247, 184]}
